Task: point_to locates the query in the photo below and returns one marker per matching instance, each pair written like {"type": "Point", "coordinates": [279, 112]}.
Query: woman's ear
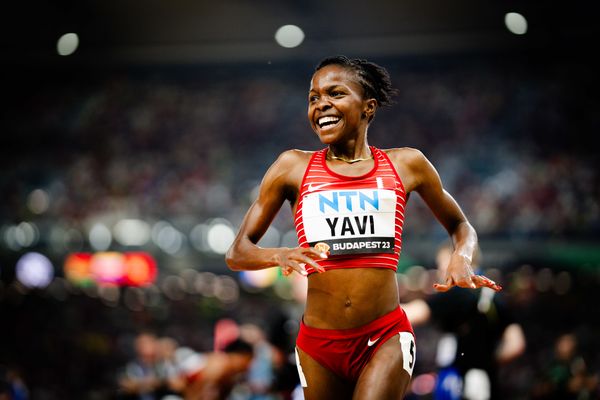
{"type": "Point", "coordinates": [369, 109]}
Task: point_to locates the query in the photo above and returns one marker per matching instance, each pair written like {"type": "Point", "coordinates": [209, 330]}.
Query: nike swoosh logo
{"type": "Point", "coordinates": [372, 342]}
{"type": "Point", "coordinates": [312, 188]}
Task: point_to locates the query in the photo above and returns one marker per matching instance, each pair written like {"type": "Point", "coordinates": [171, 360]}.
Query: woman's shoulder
{"type": "Point", "coordinates": [295, 155]}
{"type": "Point", "coordinates": [405, 155]}
{"type": "Point", "coordinates": [293, 158]}
{"type": "Point", "coordinates": [410, 164]}
{"type": "Point", "coordinates": [291, 164]}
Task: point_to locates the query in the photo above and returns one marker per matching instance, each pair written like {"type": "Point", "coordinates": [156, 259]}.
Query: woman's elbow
{"type": "Point", "coordinates": [231, 258]}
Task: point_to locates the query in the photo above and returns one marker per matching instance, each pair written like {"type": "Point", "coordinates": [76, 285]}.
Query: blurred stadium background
{"type": "Point", "coordinates": [131, 148]}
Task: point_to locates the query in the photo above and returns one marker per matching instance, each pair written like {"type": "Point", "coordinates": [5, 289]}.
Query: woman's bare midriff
{"type": "Point", "coordinates": [349, 298]}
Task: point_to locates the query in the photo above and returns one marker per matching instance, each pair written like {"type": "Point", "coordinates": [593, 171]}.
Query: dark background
{"type": "Point", "coordinates": [171, 112]}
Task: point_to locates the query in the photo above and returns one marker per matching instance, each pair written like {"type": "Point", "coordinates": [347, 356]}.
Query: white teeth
{"type": "Point", "coordinates": [325, 120]}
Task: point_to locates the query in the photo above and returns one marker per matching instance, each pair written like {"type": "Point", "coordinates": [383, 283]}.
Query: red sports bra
{"type": "Point", "coordinates": [359, 217]}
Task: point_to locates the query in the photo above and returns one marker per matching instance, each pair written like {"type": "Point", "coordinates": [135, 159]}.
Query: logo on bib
{"type": "Point", "coordinates": [312, 188]}
{"type": "Point", "coordinates": [351, 221]}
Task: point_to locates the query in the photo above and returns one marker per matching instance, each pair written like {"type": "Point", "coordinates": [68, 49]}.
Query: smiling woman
{"type": "Point", "coordinates": [348, 201]}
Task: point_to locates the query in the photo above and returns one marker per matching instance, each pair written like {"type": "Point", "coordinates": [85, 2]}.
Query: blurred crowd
{"type": "Point", "coordinates": [194, 347]}
{"type": "Point", "coordinates": [512, 144]}
{"type": "Point", "coordinates": [244, 366]}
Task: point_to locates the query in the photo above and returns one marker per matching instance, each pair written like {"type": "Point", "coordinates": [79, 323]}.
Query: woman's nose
{"type": "Point", "coordinates": [323, 104]}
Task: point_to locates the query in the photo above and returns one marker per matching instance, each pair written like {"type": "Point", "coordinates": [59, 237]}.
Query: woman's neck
{"type": "Point", "coordinates": [350, 152]}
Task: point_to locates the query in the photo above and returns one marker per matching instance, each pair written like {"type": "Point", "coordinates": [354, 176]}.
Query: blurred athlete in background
{"type": "Point", "coordinates": [479, 335]}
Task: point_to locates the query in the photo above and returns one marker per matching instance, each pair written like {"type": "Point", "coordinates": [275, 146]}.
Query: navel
{"type": "Point", "coordinates": [348, 302]}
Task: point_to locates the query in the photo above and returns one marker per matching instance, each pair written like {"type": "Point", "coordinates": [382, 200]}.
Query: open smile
{"type": "Point", "coordinates": [328, 122]}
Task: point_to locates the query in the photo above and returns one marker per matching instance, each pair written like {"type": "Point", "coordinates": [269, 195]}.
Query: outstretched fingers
{"type": "Point", "coordinates": [464, 281]}
{"type": "Point", "coordinates": [471, 282]}
{"type": "Point", "coordinates": [442, 287]}
{"type": "Point", "coordinates": [483, 281]}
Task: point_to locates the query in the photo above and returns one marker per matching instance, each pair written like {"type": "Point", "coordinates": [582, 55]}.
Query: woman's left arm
{"type": "Point", "coordinates": [428, 184]}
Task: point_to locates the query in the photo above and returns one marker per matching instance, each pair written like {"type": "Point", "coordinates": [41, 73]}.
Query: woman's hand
{"type": "Point", "coordinates": [295, 259]}
{"type": "Point", "coordinates": [460, 273]}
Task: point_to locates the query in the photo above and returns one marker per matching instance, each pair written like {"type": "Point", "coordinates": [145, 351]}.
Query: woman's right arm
{"type": "Point", "coordinates": [282, 178]}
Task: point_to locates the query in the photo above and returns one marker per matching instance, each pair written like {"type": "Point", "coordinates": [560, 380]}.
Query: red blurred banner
{"type": "Point", "coordinates": [123, 269]}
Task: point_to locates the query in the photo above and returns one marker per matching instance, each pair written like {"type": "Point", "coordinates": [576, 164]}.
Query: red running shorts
{"type": "Point", "coordinates": [345, 352]}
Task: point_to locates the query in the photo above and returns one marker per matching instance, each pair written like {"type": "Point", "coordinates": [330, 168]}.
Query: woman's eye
{"type": "Point", "coordinates": [337, 94]}
{"type": "Point", "coordinates": [313, 98]}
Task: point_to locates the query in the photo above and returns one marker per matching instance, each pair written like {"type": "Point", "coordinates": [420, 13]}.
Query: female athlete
{"type": "Point", "coordinates": [348, 200]}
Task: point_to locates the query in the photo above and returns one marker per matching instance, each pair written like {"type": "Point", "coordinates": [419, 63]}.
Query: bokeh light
{"type": "Point", "coordinates": [67, 44]}
{"type": "Point", "coordinates": [515, 23]}
{"type": "Point", "coordinates": [108, 267]}
{"type": "Point", "coordinates": [220, 237]}
{"type": "Point", "coordinates": [259, 279]}
{"type": "Point", "coordinates": [34, 270]}
{"type": "Point", "coordinates": [140, 269]}
{"type": "Point", "coordinates": [100, 237]}
{"type": "Point", "coordinates": [167, 237]}
{"type": "Point", "coordinates": [132, 232]}
{"type": "Point", "coordinates": [289, 36]}
{"type": "Point", "coordinates": [38, 201]}
{"type": "Point", "coordinates": [77, 269]}
{"type": "Point", "coordinates": [123, 269]}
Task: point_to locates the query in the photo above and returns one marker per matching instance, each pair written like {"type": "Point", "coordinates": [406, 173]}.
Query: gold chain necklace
{"type": "Point", "coordinates": [330, 156]}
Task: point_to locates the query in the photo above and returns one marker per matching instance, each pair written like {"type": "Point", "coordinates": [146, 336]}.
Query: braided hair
{"type": "Point", "coordinates": [374, 79]}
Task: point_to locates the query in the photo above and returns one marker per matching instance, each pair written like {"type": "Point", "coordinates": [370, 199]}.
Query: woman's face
{"type": "Point", "coordinates": [337, 109]}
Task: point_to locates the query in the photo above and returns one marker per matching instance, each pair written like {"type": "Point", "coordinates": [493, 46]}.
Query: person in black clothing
{"type": "Point", "coordinates": [478, 334]}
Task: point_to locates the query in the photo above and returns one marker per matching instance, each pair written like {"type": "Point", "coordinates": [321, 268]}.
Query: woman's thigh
{"type": "Point", "coordinates": [321, 383]}
{"type": "Point", "coordinates": [387, 374]}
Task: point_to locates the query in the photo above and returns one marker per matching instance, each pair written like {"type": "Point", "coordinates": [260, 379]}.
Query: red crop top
{"type": "Point", "coordinates": [360, 218]}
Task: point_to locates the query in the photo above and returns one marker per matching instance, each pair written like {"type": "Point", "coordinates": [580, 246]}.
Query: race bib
{"type": "Point", "coordinates": [357, 221]}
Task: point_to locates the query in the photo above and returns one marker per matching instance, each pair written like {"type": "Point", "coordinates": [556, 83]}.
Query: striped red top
{"type": "Point", "coordinates": [360, 217]}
